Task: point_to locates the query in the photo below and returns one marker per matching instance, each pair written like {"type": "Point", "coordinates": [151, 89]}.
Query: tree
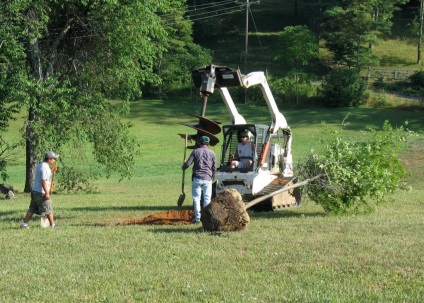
{"type": "Point", "coordinates": [356, 174]}
{"type": "Point", "coordinates": [61, 59]}
{"type": "Point", "coordinates": [352, 27]}
{"type": "Point", "coordinates": [181, 53]}
{"type": "Point", "coordinates": [9, 74]}
{"type": "Point", "coordinates": [298, 45]}
{"type": "Point", "coordinates": [343, 87]}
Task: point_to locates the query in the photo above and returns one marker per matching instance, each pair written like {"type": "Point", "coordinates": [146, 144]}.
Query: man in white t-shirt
{"type": "Point", "coordinates": [244, 154]}
{"type": "Point", "coordinates": [41, 203]}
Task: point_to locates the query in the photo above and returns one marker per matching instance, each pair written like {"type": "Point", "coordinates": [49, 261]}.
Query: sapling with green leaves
{"type": "Point", "coordinates": [356, 174]}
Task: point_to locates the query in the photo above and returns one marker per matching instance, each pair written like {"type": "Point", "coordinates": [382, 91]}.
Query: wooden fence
{"type": "Point", "coordinates": [396, 75]}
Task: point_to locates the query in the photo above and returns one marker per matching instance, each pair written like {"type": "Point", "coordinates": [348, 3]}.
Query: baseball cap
{"type": "Point", "coordinates": [51, 155]}
{"type": "Point", "coordinates": [204, 139]}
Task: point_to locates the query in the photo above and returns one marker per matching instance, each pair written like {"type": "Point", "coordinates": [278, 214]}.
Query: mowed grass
{"type": "Point", "coordinates": [299, 255]}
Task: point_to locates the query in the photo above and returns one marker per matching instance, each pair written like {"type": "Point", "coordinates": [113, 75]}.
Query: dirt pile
{"type": "Point", "coordinates": [171, 217]}
{"type": "Point", "coordinates": [226, 212]}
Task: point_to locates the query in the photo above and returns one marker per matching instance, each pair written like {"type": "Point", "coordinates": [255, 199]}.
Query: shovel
{"type": "Point", "coordinates": [182, 196]}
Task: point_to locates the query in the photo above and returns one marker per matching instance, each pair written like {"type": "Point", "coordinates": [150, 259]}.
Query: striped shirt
{"type": "Point", "coordinates": [204, 160]}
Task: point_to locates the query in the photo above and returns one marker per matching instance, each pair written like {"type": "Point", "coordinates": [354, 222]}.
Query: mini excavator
{"type": "Point", "coordinates": [271, 166]}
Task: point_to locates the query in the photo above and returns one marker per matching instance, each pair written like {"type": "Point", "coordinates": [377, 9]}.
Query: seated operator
{"type": "Point", "coordinates": [244, 155]}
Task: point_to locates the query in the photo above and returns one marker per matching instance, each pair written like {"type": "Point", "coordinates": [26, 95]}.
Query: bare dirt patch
{"type": "Point", "coordinates": [171, 217]}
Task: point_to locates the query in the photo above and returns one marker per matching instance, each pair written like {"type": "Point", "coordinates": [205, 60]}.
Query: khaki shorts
{"type": "Point", "coordinates": [39, 205]}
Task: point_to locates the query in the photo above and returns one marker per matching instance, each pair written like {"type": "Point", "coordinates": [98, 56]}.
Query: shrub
{"type": "Point", "coordinates": [71, 180]}
{"type": "Point", "coordinates": [356, 173]}
{"type": "Point", "coordinates": [343, 87]}
{"type": "Point", "coordinates": [417, 79]}
{"type": "Point", "coordinates": [379, 101]}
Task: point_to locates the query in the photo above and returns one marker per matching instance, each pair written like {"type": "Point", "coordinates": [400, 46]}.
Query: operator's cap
{"type": "Point", "coordinates": [51, 155]}
{"type": "Point", "coordinates": [204, 139]}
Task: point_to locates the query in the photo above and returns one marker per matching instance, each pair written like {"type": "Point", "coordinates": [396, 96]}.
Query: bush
{"type": "Point", "coordinates": [71, 180]}
{"type": "Point", "coordinates": [417, 79]}
{"type": "Point", "coordinates": [343, 87]}
{"type": "Point", "coordinates": [296, 88]}
{"type": "Point", "coordinates": [356, 173]}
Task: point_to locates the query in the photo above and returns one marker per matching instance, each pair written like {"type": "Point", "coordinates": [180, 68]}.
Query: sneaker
{"type": "Point", "coordinates": [54, 226]}
{"type": "Point", "coordinates": [24, 226]}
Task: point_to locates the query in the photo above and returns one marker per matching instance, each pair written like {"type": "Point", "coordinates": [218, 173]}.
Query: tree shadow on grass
{"type": "Point", "coordinates": [90, 224]}
{"type": "Point", "coordinates": [7, 213]}
{"type": "Point", "coordinates": [359, 118]}
{"type": "Point", "coordinates": [197, 230]}
{"type": "Point", "coordinates": [174, 230]}
{"type": "Point", "coordinates": [394, 60]}
{"type": "Point", "coordinates": [283, 214]}
{"type": "Point", "coordinates": [152, 111]}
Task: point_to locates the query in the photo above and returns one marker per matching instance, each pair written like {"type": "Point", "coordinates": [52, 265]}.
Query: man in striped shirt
{"type": "Point", "coordinates": [204, 169]}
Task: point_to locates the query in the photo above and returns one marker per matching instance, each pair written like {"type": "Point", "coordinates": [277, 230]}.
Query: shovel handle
{"type": "Point", "coordinates": [185, 153]}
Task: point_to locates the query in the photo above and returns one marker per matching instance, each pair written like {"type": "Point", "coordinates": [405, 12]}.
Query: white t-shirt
{"type": "Point", "coordinates": [245, 153]}
{"type": "Point", "coordinates": [245, 150]}
{"type": "Point", "coordinates": [42, 172]}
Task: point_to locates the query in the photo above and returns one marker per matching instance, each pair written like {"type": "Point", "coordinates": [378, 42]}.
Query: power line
{"type": "Point", "coordinates": [201, 15]}
{"type": "Point", "coordinates": [211, 4]}
{"type": "Point", "coordinates": [256, 29]}
{"type": "Point", "coordinates": [215, 15]}
{"type": "Point", "coordinates": [205, 7]}
{"type": "Point", "coordinates": [197, 16]}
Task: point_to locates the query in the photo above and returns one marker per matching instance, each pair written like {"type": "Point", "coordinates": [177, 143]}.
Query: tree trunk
{"type": "Point", "coordinates": [31, 138]}
{"type": "Point", "coordinates": [31, 156]}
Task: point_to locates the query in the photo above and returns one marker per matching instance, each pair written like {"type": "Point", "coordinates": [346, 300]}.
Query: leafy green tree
{"type": "Point", "coordinates": [353, 26]}
{"type": "Point", "coordinates": [298, 45]}
{"type": "Point", "coordinates": [181, 53]}
{"type": "Point", "coordinates": [356, 174]}
{"type": "Point", "coordinates": [61, 59]}
{"type": "Point", "coordinates": [8, 76]}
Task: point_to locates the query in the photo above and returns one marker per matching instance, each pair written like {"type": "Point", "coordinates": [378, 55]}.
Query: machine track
{"type": "Point", "coordinates": [279, 201]}
{"type": "Point", "coordinates": [274, 186]}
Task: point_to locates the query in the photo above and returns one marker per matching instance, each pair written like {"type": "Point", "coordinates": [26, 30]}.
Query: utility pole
{"type": "Point", "coordinates": [420, 41]}
{"type": "Point", "coordinates": [246, 45]}
{"type": "Point", "coordinates": [247, 36]}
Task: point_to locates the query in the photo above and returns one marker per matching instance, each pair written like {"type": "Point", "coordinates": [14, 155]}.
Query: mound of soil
{"type": "Point", "coordinates": [171, 217]}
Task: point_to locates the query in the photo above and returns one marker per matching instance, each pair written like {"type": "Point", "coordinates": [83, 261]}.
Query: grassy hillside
{"type": "Point", "coordinates": [300, 255]}
{"type": "Point", "coordinates": [266, 21]}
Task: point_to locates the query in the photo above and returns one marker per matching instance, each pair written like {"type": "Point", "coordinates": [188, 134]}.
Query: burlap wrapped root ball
{"type": "Point", "coordinates": [226, 212]}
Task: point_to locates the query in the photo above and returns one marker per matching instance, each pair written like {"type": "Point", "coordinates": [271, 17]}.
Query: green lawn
{"type": "Point", "coordinates": [300, 255]}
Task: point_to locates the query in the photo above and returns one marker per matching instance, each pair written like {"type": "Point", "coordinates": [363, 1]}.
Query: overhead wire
{"type": "Point", "coordinates": [211, 4]}
{"type": "Point", "coordinates": [193, 13]}
{"type": "Point", "coordinates": [216, 14]}
{"type": "Point", "coordinates": [196, 13]}
{"type": "Point", "coordinates": [200, 14]}
{"type": "Point", "coordinates": [256, 29]}
{"type": "Point", "coordinates": [201, 7]}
